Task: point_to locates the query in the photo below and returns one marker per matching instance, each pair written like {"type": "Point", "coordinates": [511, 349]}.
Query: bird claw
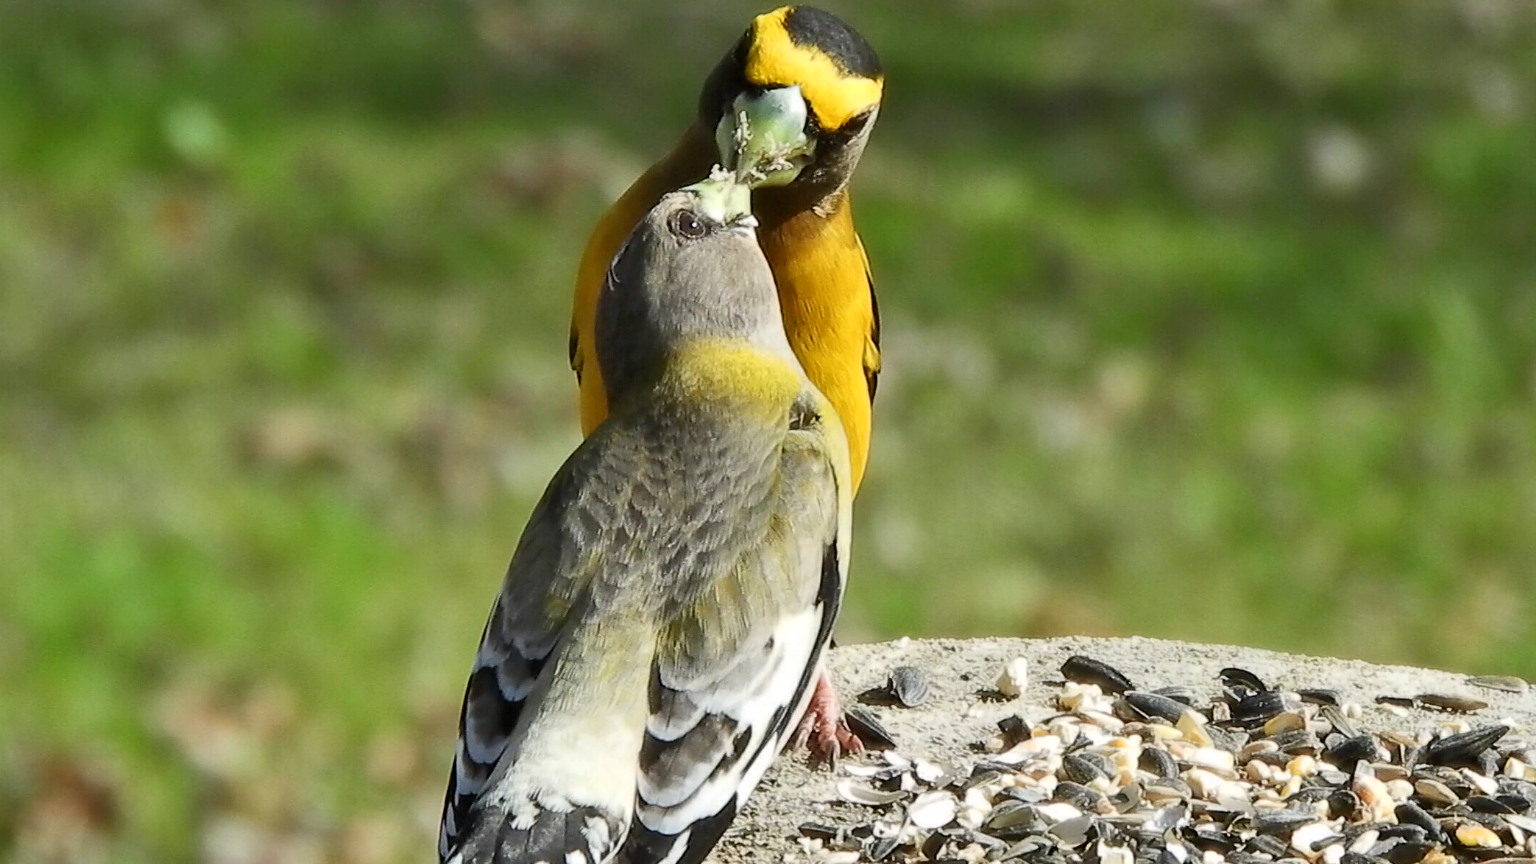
{"type": "Point", "coordinates": [824, 729]}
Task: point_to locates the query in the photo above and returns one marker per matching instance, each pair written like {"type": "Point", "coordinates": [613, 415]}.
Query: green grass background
{"type": "Point", "coordinates": [1211, 320]}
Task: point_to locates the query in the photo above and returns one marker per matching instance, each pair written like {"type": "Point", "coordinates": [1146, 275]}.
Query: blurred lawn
{"type": "Point", "coordinates": [1212, 320]}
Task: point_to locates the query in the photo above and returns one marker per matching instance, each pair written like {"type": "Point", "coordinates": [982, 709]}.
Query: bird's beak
{"type": "Point", "coordinates": [762, 137]}
{"type": "Point", "coordinates": [725, 201]}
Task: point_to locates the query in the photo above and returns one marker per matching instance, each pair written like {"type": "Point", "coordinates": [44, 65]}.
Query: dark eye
{"type": "Point", "coordinates": [684, 224]}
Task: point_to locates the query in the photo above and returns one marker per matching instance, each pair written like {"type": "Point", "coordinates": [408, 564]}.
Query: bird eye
{"type": "Point", "coordinates": [686, 225]}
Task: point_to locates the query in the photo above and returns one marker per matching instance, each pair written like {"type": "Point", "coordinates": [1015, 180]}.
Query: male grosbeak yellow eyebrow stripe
{"type": "Point", "coordinates": [833, 92]}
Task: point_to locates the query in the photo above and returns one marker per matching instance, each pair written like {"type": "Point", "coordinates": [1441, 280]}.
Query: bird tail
{"type": "Point", "coordinates": [581, 835]}
{"type": "Point", "coordinates": [564, 793]}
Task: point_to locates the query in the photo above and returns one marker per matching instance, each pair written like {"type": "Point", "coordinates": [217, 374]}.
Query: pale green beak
{"type": "Point", "coordinates": [724, 200]}
{"type": "Point", "coordinates": [762, 137]}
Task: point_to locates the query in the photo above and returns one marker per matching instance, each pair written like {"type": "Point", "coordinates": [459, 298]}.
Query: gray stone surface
{"type": "Point", "coordinates": [960, 712]}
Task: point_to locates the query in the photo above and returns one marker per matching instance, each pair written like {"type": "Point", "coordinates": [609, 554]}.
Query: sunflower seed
{"type": "Point", "coordinates": [1086, 670]}
{"type": "Point", "coordinates": [1349, 751]}
{"type": "Point", "coordinates": [1459, 704]}
{"type": "Point", "coordinates": [1507, 683]}
{"type": "Point", "coordinates": [1282, 821]}
{"type": "Point", "coordinates": [1485, 804]}
{"type": "Point", "coordinates": [1079, 796]}
{"type": "Point", "coordinates": [1256, 708]}
{"type": "Point", "coordinates": [1241, 679]}
{"type": "Point", "coordinates": [1179, 693]}
{"type": "Point", "coordinates": [866, 725]}
{"type": "Point", "coordinates": [1435, 792]}
{"type": "Point", "coordinates": [818, 831]}
{"type": "Point", "coordinates": [1465, 747]}
{"type": "Point", "coordinates": [1409, 813]}
{"type": "Point", "coordinates": [1410, 851]}
{"type": "Point", "coordinates": [1084, 768]}
{"type": "Point", "coordinates": [908, 686]}
{"type": "Point", "coordinates": [1334, 716]}
{"type": "Point", "coordinates": [1343, 804]}
{"type": "Point", "coordinates": [1158, 762]}
{"type": "Point", "coordinates": [1297, 742]}
{"type": "Point", "coordinates": [1149, 706]}
{"type": "Point", "coordinates": [1267, 845]}
{"type": "Point", "coordinates": [1317, 696]}
{"type": "Point", "coordinates": [1072, 832]}
{"type": "Point", "coordinates": [858, 793]}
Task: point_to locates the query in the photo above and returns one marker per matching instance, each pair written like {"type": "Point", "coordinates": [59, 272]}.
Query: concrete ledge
{"type": "Point", "coordinates": [960, 712]}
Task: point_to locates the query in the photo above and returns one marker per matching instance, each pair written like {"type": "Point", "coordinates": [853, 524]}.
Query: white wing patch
{"type": "Point", "coordinates": [753, 700]}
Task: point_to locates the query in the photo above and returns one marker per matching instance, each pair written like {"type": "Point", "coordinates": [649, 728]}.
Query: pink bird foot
{"type": "Point", "coordinates": [824, 729]}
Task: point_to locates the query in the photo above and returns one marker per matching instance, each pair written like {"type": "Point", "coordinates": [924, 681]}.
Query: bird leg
{"type": "Point", "coordinates": [824, 729]}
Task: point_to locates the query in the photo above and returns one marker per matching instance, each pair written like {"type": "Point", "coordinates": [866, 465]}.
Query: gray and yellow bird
{"type": "Point", "coordinates": [663, 620]}
{"type": "Point", "coordinates": [790, 107]}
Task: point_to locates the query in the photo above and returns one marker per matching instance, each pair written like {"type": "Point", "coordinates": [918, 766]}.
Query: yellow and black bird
{"type": "Point", "coordinates": [793, 102]}
{"type": "Point", "coordinates": [790, 107]}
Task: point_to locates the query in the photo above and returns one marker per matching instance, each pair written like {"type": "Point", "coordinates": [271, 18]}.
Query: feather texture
{"type": "Point", "coordinates": [664, 615]}
{"type": "Point", "coordinates": [646, 661]}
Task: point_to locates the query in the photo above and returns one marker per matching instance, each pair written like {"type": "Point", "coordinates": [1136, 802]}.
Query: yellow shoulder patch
{"type": "Point", "coordinates": [774, 60]}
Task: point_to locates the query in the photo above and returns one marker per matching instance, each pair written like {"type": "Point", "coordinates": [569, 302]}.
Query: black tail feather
{"type": "Point", "coordinates": [645, 846]}
{"type": "Point", "coordinates": [583, 835]}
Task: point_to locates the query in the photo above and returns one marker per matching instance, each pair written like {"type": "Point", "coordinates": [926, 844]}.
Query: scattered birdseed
{"type": "Point", "coordinates": [1256, 775]}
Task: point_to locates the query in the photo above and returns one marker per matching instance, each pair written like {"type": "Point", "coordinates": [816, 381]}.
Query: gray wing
{"type": "Point", "coordinates": [545, 580]}
{"type": "Point", "coordinates": [506, 667]}
{"type": "Point", "coordinates": [727, 696]}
